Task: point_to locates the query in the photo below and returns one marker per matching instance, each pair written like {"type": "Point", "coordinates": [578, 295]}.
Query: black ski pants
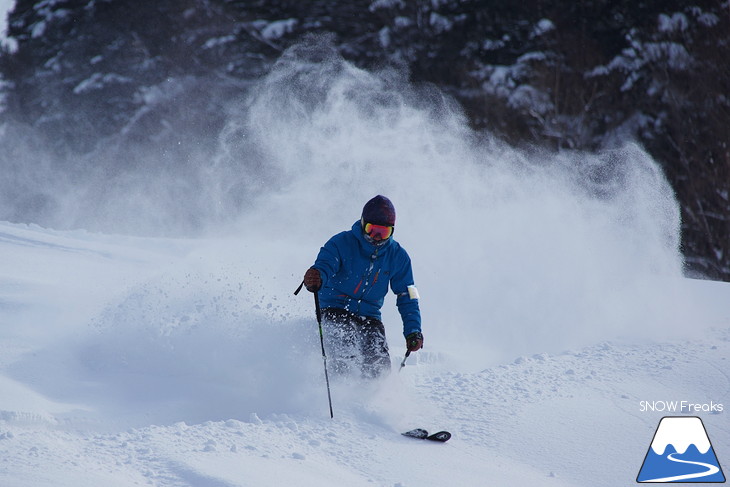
{"type": "Point", "coordinates": [355, 343]}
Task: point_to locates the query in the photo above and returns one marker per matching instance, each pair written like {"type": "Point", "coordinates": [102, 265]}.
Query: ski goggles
{"type": "Point", "coordinates": [378, 232]}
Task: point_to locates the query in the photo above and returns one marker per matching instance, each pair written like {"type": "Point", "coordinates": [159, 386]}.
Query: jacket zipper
{"type": "Point", "coordinates": [365, 278]}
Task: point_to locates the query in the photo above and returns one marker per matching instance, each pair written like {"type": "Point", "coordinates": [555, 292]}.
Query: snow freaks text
{"type": "Point", "coordinates": [682, 407]}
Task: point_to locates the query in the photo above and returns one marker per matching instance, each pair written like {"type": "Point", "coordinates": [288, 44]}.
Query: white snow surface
{"type": "Point", "coordinates": [132, 361]}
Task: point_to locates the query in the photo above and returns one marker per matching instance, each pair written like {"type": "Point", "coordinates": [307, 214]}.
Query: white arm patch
{"type": "Point", "coordinates": [413, 292]}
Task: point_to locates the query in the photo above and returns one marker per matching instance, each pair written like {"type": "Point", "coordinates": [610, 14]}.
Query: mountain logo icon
{"type": "Point", "coordinates": [681, 452]}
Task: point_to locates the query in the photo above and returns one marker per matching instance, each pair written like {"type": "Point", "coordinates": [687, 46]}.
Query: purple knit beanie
{"type": "Point", "coordinates": [379, 211]}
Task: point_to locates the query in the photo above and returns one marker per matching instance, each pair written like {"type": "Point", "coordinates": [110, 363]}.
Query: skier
{"type": "Point", "coordinates": [352, 273]}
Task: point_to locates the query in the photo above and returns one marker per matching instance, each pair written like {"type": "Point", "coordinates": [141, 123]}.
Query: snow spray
{"type": "Point", "coordinates": [513, 252]}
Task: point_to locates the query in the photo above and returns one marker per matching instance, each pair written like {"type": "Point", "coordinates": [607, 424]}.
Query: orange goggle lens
{"type": "Point", "coordinates": [378, 232]}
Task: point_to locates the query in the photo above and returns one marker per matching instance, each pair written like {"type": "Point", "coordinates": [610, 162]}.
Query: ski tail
{"type": "Point", "coordinates": [419, 433]}
{"type": "Point", "coordinates": [422, 434]}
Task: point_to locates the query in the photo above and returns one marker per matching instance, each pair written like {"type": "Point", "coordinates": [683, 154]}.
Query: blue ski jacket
{"type": "Point", "coordinates": [356, 274]}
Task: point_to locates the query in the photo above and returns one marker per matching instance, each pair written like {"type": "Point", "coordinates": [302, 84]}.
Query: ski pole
{"type": "Point", "coordinates": [321, 342]}
{"type": "Point", "coordinates": [324, 355]}
{"type": "Point", "coordinates": [403, 364]}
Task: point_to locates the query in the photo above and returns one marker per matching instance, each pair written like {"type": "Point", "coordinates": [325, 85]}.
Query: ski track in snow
{"type": "Point", "coordinates": [568, 419]}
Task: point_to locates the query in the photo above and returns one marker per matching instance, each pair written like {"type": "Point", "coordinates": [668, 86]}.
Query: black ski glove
{"type": "Point", "coordinates": [312, 280]}
{"type": "Point", "coordinates": [414, 341]}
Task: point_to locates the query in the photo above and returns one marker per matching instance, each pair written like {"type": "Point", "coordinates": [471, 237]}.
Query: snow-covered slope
{"type": "Point", "coordinates": [128, 361]}
{"type": "Point", "coordinates": [557, 323]}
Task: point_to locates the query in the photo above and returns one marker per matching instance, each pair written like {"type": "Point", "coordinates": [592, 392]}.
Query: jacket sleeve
{"type": "Point", "coordinates": [404, 287]}
{"type": "Point", "coordinates": [329, 259]}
